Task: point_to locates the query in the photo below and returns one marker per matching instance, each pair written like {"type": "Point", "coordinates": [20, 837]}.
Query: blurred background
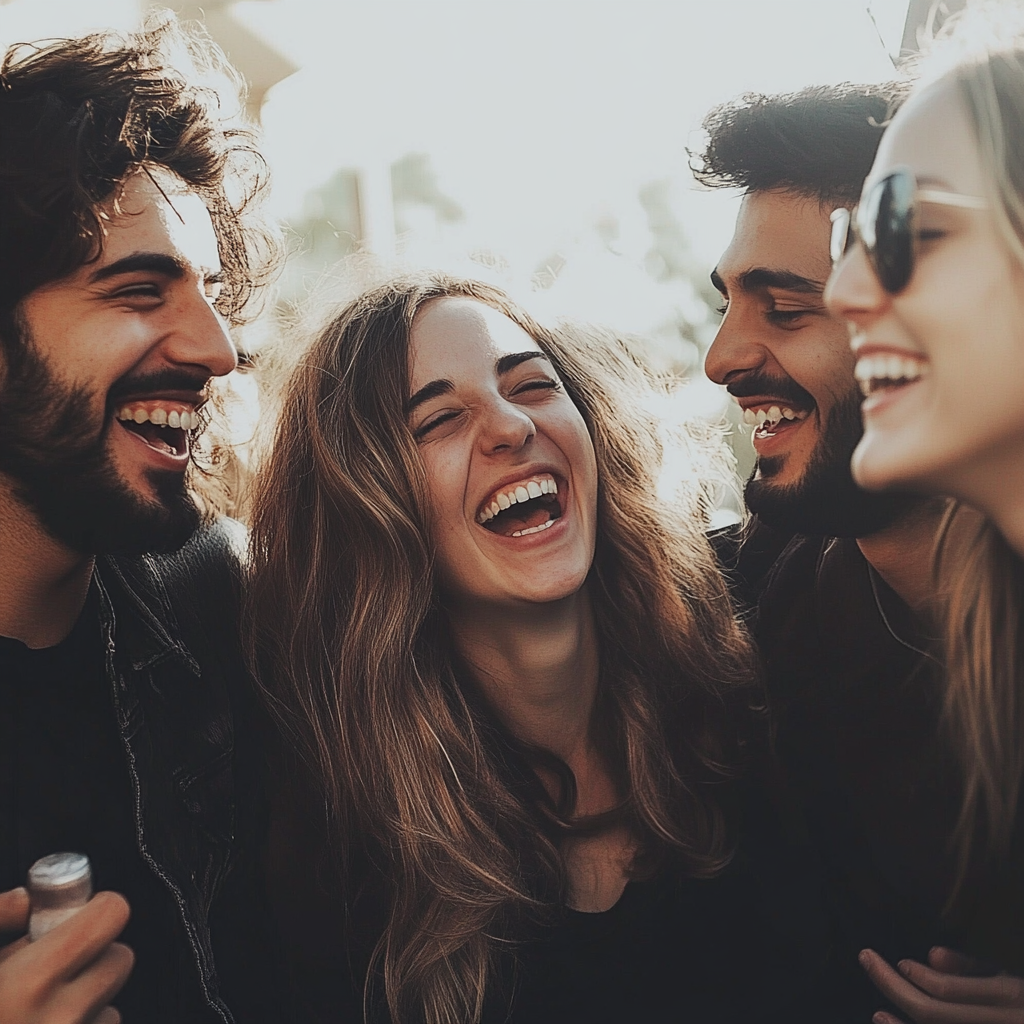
{"type": "Point", "coordinates": [538, 143]}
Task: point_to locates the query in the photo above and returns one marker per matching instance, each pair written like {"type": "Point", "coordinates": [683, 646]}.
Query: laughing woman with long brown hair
{"type": "Point", "coordinates": [512, 672]}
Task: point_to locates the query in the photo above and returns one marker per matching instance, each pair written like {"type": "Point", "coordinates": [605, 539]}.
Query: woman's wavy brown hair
{"type": "Point", "coordinates": [352, 649]}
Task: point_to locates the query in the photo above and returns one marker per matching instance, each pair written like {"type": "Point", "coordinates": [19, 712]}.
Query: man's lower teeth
{"type": "Point", "coordinates": [534, 529]}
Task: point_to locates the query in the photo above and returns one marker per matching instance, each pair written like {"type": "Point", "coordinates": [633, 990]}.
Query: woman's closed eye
{"type": "Point", "coordinates": [538, 384]}
{"type": "Point", "coordinates": [433, 422]}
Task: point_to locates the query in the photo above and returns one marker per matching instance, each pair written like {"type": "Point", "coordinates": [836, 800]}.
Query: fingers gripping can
{"type": "Point", "coordinates": [58, 885]}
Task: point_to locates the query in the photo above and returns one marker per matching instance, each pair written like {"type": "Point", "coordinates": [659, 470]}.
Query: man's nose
{"type": "Point", "coordinates": [733, 353]}
{"type": "Point", "coordinates": [199, 335]}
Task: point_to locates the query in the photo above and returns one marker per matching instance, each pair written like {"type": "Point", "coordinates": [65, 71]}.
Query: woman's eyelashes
{"type": "Point", "coordinates": [538, 387]}
{"type": "Point", "coordinates": [541, 384]}
{"type": "Point", "coordinates": [425, 428]}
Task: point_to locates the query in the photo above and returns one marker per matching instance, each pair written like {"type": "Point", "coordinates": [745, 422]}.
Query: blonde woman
{"type": "Point", "coordinates": [930, 276]}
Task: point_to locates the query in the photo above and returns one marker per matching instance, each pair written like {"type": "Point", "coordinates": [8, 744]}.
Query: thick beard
{"type": "Point", "coordinates": [62, 470]}
{"type": "Point", "coordinates": [825, 502]}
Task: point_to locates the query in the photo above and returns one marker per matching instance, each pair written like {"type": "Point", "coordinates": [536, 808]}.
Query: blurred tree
{"type": "Point", "coordinates": [414, 183]}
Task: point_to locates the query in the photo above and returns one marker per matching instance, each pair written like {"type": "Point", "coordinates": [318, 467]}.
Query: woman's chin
{"type": "Point", "coordinates": [876, 466]}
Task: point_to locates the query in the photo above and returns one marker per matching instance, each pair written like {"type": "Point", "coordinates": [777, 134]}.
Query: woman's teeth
{"type": "Point", "coordinates": [770, 416]}
{"type": "Point", "coordinates": [534, 529]}
{"type": "Point", "coordinates": [519, 492]}
{"type": "Point", "coordinates": [877, 372]}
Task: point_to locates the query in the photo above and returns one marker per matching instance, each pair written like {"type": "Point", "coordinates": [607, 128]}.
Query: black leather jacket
{"type": "Point", "coordinates": [170, 628]}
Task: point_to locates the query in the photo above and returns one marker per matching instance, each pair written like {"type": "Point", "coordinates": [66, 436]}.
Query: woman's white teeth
{"type": "Point", "coordinates": [520, 492]}
{"type": "Point", "coordinates": [161, 417]}
{"type": "Point", "coordinates": [772, 415]}
{"type": "Point", "coordinates": [535, 529]}
{"type": "Point", "coordinates": [881, 371]}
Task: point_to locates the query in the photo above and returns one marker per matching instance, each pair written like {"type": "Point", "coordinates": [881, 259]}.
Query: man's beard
{"type": "Point", "coordinates": [825, 502]}
{"type": "Point", "coordinates": [64, 473]}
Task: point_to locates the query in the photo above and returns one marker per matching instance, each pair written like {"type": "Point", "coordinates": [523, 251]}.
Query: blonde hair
{"type": "Point", "coordinates": [980, 579]}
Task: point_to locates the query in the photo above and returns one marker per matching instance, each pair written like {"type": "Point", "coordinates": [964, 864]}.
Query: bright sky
{"type": "Point", "coordinates": [541, 117]}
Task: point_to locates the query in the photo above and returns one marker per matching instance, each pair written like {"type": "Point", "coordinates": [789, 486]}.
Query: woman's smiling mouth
{"type": "Point", "coordinates": [523, 507]}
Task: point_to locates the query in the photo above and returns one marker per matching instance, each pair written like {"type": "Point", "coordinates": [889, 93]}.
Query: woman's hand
{"type": "Point", "coordinates": [72, 972]}
{"type": "Point", "coordinates": [948, 990]}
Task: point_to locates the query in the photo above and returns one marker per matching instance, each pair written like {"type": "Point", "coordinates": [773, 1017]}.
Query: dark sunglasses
{"type": "Point", "coordinates": [885, 223]}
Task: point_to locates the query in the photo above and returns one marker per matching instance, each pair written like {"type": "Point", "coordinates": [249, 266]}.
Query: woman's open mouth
{"type": "Point", "coordinates": [886, 372]}
{"type": "Point", "coordinates": [525, 507]}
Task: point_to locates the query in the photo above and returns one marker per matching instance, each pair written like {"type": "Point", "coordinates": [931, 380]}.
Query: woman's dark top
{"type": "Point", "coordinates": [726, 950]}
{"type": "Point", "coordinates": [671, 950]}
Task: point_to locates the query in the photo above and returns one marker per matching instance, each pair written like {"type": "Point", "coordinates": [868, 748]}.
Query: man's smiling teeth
{"type": "Point", "coordinates": [519, 492]}
{"type": "Point", "coordinates": [161, 416]}
{"type": "Point", "coordinates": [883, 371]}
{"type": "Point", "coordinates": [772, 416]}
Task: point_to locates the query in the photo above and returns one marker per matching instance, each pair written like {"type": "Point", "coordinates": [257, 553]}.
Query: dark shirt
{"type": "Point", "coordinates": [672, 950]}
{"type": "Point", "coordinates": [855, 698]}
{"type": "Point", "coordinates": [677, 949]}
{"type": "Point", "coordinates": [64, 786]}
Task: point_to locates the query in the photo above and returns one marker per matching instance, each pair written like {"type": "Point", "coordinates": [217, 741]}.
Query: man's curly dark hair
{"type": "Point", "coordinates": [819, 142]}
{"type": "Point", "coordinates": [77, 115]}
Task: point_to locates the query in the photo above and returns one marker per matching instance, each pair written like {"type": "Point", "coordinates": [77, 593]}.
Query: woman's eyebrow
{"type": "Point", "coordinates": [510, 362]}
{"type": "Point", "coordinates": [427, 392]}
{"type": "Point", "coordinates": [440, 387]}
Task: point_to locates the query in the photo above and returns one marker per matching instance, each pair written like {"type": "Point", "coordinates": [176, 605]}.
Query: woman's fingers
{"type": "Point", "coordinates": [997, 990]}
{"type": "Point", "coordinates": [942, 958]}
{"type": "Point", "coordinates": [923, 1007]}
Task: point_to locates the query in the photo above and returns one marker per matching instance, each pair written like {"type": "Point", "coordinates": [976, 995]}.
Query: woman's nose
{"type": "Point", "coordinates": [506, 427]}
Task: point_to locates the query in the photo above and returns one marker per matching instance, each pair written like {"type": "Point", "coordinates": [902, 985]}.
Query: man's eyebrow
{"type": "Point", "coordinates": [436, 388]}
{"type": "Point", "coordinates": [510, 362]}
{"type": "Point", "coordinates": [153, 262]}
{"type": "Point", "coordinates": [758, 278]}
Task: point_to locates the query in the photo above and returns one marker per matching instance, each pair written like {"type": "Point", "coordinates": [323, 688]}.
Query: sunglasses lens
{"type": "Point", "coordinates": [891, 250]}
{"type": "Point", "coordinates": [841, 238]}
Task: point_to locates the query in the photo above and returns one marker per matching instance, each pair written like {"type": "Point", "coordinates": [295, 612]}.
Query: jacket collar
{"type": "Point", "coordinates": [147, 628]}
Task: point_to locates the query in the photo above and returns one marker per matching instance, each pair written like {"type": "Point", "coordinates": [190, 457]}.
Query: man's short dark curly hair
{"type": "Point", "coordinates": [819, 142]}
{"type": "Point", "coordinates": [78, 115]}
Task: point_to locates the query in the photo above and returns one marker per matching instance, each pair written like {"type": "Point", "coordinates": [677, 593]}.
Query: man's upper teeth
{"type": "Point", "coordinates": [882, 367]}
{"type": "Point", "coordinates": [162, 417]}
{"type": "Point", "coordinates": [522, 491]}
{"type": "Point", "coordinates": [772, 414]}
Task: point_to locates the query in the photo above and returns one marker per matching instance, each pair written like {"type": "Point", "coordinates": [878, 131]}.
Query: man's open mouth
{"type": "Point", "coordinates": [524, 507]}
{"type": "Point", "coordinates": [887, 372]}
{"type": "Point", "coordinates": [770, 418]}
{"type": "Point", "coordinates": [164, 425]}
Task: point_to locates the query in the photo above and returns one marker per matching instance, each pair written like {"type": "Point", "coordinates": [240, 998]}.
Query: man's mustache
{"type": "Point", "coordinates": [169, 379]}
{"type": "Point", "coordinates": [784, 388]}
